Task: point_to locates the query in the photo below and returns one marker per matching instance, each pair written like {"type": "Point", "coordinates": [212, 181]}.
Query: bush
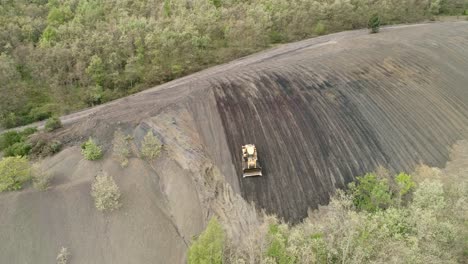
{"type": "Point", "coordinates": [53, 123]}
{"type": "Point", "coordinates": [90, 150]}
{"type": "Point", "coordinates": [9, 138]}
{"type": "Point", "coordinates": [41, 179]}
{"type": "Point", "coordinates": [17, 149]}
{"type": "Point", "coordinates": [14, 172]}
{"type": "Point", "coordinates": [208, 247]}
{"type": "Point", "coordinates": [121, 148]}
{"type": "Point", "coordinates": [106, 193]}
{"type": "Point", "coordinates": [374, 23]}
{"type": "Point", "coordinates": [13, 143]}
{"type": "Point", "coordinates": [370, 193]}
{"type": "Point", "coordinates": [151, 146]}
{"type": "Point", "coordinates": [63, 256]}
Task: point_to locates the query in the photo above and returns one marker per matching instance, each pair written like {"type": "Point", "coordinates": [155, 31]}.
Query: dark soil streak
{"type": "Point", "coordinates": [319, 123]}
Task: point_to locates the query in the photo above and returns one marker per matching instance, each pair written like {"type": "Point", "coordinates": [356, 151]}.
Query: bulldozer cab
{"type": "Point", "coordinates": [250, 165]}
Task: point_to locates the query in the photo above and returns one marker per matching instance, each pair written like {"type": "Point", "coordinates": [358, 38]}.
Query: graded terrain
{"type": "Point", "coordinates": [320, 111]}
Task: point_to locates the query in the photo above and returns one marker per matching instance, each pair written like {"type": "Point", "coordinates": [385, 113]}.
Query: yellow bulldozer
{"type": "Point", "coordinates": [250, 165]}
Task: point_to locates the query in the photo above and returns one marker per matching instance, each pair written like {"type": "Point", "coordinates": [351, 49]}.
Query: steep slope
{"type": "Point", "coordinates": [321, 115]}
{"type": "Point", "coordinates": [320, 111]}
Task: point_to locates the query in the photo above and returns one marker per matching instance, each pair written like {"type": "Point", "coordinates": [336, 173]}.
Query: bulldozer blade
{"type": "Point", "coordinates": [252, 173]}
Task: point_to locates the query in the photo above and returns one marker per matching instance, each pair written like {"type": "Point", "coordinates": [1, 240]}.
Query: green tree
{"type": "Point", "coordinates": [14, 172]}
{"type": "Point", "coordinates": [277, 248]}
{"type": "Point", "coordinates": [370, 193]}
{"type": "Point", "coordinates": [59, 15]}
{"type": "Point", "coordinates": [49, 36]}
{"type": "Point", "coordinates": [96, 70]}
{"type": "Point", "coordinates": [435, 7]}
{"type": "Point", "coordinates": [405, 183]}
{"type": "Point", "coordinates": [374, 23]}
{"type": "Point", "coordinates": [208, 247]}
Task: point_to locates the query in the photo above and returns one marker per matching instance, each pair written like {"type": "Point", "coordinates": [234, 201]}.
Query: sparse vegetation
{"type": "Point", "coordinates": [14, 172]}
{"type": "Point", "coordinates": [208, 247]}
{"type": "Point", "coordinates": [106, 193]}
{"type": "Point", "coordinates": [90, 150]}
{"type": "Point", "coordinates": [63, 256]}
{"type": "Point", "coordinates": [43, 147]}
{"type": "Point", "coordinates": [53, 123]}
{"type": "Point", "coordinates": [121, 148]}
{"type": "Point", "coordinates": [59, 56]}
{"type": "Point", "coordinates": [366, 224]}
{"type": "Point", "coordinates": [374, 23]}
{"type": "Point", "coordinates": [41, 179]}
{"type": "Point", "coordinates": [150, 146]}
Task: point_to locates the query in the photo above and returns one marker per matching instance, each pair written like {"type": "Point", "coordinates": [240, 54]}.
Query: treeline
{"type": "Point", "coordinates": [58, 56]}
{"type": "Point", "coordinates": [379, 219]}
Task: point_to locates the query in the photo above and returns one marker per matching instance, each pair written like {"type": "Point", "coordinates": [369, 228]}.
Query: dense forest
{"type": "Point", "coordinates": [58, 56]}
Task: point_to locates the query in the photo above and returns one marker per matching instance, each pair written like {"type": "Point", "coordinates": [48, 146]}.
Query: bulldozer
{"type": "Point", "coordinates": [250, 165]}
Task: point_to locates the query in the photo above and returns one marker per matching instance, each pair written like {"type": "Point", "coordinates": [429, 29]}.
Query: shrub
{"type": "Point", "coordinates": [374, 23]}
{"type": "Point", "coordinates": [370, 193]}
{"type": "Point", "coordinates": [121, 148]}
{"type": "Point", "coordinates": [320, 29]}
{"type": "Point", "coordinates": [208, 247]}
{"type": "Point", "coordinates": [17, 149]}
{"type": "Point", "coordinates": [53, 123]}
{"type": "Point", "coordinates": [13, 143]}
{"type": "Point", "coordinates": [151, 146]}
{"type": "Point", "coordinates": [14, 172]}
{"type": "Point", "coordinates": [90, 150]}
{"type": "Point", "coordinates": [106, 193]}
{"type": "Point", "coordinates": [9, 138]}
{"type": "Point", "coordinates": [63, 256]}
{"type": "Point", "coordinates": [41, 179]}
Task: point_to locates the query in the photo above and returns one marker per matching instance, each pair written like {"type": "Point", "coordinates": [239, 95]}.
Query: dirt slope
{"type": "Point", "coordinates": [320, 111]}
